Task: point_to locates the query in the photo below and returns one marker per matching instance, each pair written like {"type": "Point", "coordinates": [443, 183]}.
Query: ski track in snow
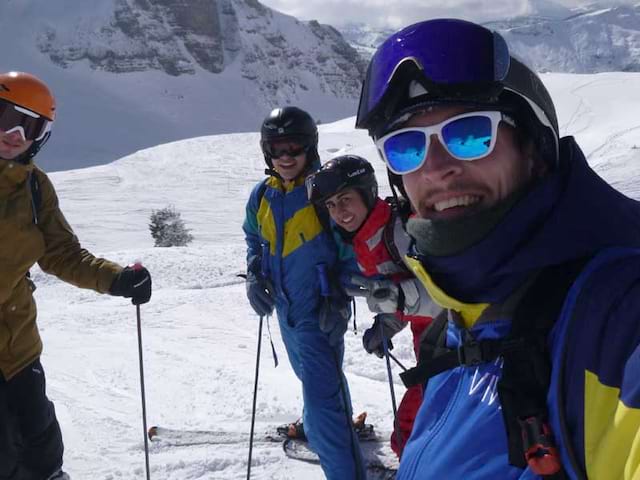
{"type": "Point", "coordinates": [199, 333]}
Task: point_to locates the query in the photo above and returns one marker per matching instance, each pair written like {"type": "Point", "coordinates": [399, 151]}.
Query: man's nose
{"type": "Point", "coordinates": [439, 164]}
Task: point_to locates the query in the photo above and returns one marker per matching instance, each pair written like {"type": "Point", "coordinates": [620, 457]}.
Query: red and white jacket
{"type": "Point", "coordinates": [377, 245]}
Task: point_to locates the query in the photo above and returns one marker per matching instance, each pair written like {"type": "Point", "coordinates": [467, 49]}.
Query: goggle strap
{"type": "Point", "coordinates": [26, 111]}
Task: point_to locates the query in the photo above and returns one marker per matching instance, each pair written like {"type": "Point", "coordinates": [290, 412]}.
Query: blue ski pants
{"type": "Point", "coordinates": [327, 402]}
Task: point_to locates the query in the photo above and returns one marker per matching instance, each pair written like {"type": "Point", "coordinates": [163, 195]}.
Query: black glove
{"type": "Point", "coordinates": [134, 283]}
{"type": "Point", "coordinates": [334, 315]}
{"type": "Point", "coordinates": [372, 338]}
{"type": "Point", "coordinates": [260, 294]}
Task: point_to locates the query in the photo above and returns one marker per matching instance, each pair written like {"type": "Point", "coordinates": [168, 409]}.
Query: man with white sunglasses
{"type": "Point", "coordinates": [533, 369]}
{"type": "Point", "coordinates": [33, 229]}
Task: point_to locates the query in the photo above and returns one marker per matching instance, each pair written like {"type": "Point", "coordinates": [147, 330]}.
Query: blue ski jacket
{"type": "Point", "coordinates": [594, 395]}
{"type": "Point", "coordinates": [283, 229]}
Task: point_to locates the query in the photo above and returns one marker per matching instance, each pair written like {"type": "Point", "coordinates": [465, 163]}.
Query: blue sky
{"type": "Point", "coordinates": [399, 13]}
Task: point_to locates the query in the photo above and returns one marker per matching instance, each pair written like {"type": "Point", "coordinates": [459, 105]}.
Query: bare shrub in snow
{"type": "Point", "coordinates": [168, 229]}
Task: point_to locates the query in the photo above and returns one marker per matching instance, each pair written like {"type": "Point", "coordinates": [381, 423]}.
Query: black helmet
{"type": "Point", "coordinates": [346, 171]}
{"type": "Point", "coordinates": [456, 62]}
{"type": "Point", "coordinates": [289, 123]}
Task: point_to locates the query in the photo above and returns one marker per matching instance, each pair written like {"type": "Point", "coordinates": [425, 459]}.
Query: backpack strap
{"type": "Point", "coordinates": [526, 373]}
{"type": "Point", "coordinates": [398, 210]}
{"type": "Point", "coordinates": [36, 195]}
{"type": "Point", "coordinates": [432, 347]}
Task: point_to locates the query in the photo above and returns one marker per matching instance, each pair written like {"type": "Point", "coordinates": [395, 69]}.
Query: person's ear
{"type": "Point", "coordinates": [537, 164]}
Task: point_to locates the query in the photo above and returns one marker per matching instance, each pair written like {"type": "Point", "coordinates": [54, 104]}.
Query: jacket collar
{"type": "Point", "coordinates": [12, 175]}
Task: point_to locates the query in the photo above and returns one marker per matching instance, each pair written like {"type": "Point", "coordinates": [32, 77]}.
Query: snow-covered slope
{"type": "Point", "coordinates": [129, 74]}
{"type": "Point", "coordinates": [199, 333]}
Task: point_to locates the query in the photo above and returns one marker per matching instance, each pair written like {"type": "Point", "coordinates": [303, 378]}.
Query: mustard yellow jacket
{"type": "Point", "coordinates": [52, 243]}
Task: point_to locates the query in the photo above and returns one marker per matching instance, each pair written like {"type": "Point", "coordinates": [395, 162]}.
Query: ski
{"type": "Point", "coordinates": [381, 463]}
{"type": "Point", "coordinates": [179, 437]}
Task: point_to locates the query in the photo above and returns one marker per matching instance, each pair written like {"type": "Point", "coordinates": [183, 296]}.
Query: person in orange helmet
{"type": "Point", "coordinates": [33, 229]}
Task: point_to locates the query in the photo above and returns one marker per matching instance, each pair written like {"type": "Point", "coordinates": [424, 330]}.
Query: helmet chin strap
{"type": "Point", "coordinates": [273, 173]}
{"type": "Point", "coordinates": [35, 147]}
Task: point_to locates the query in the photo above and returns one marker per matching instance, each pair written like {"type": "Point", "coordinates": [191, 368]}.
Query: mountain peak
{"type": "Point", "coordinates": [180, 68]}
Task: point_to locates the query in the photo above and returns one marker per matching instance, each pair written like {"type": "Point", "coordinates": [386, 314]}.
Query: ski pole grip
{"type": "Point", "coordinates": [323, 278]}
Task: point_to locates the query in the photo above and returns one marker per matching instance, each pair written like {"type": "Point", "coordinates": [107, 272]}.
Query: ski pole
{"type": "Point", "coordinates": [385, 346]}
{"type": "Point", "coordinates": [255, 396]}
{"type": "Point", "coordinates": [138, 266]}
{"type": "Point", "coordinates": [404, 369]}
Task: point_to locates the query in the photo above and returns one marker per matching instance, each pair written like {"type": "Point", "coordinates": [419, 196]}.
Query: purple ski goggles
{"type": "Point", "coordinates": [447, 51]}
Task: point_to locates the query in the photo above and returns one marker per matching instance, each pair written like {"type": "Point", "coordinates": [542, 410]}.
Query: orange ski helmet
{"type": "Point", "coordinates": [27, 105]}
{"type": "Point", "coordinates": [28, 91]}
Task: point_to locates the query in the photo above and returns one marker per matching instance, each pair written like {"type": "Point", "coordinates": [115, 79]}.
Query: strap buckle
{"type": "Point", "coordinates": [470, 353]}
{"type": "Point", "coordinates": [539, 448]}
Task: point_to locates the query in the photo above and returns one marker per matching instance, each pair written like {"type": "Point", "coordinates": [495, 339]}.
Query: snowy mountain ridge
{"type": "Point", "coordinates": [179, 38]}
{"type": "Point", "coordinates": [172, 69]}
{"type": "Point", "coordinates": [588, 39]}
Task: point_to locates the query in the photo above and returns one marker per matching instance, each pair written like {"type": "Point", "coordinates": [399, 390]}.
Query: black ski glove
{"type": "Point", "coordinates": [372, 338]}
{"type": "Point", "coordinates": [259, 290]}
{"type": "Point", "coordinates": [260, 294]}
{"type": "Point", "coordinates": [134, 283]}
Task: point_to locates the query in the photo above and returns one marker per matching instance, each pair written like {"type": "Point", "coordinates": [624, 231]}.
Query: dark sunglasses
{"type": "Point", "coordinates": [288, 150]}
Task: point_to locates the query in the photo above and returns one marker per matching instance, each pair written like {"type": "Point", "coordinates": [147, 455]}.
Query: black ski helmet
{"type": "Point", "coordinates": [289, 123]}
{"type": "Point", "coordinates": [346, 171]}
{"type": "Point", "coordinates": [450, 61]}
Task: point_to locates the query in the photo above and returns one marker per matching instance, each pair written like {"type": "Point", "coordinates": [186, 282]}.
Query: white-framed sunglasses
{"type": "Point", "coordinates": [469, 136]}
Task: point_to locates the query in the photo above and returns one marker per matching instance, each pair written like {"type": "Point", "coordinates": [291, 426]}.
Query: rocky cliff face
{"type": "Point", "coordinates": [279, 53]}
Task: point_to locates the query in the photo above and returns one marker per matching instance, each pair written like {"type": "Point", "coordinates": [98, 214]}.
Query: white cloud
{"type": "Point", "coordinates": [399, 13]}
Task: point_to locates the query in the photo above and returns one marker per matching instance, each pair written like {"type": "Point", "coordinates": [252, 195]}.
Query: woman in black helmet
{"type": "Point", "coordinates": [292, 263]}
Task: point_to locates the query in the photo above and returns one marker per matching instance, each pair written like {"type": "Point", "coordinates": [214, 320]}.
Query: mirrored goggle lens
{"type": "Point", "coordinates": [448, 51]}
{"type": "Point", "coordinates": [405, 151]}
{"type": "Point", "coordinates": [468, 137]}
{"type": "Point", "coordinates": [32, 125]}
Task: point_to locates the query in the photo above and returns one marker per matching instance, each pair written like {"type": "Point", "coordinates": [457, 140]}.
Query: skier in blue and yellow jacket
{"type": "Point", "coordinates": [533, 371]}
{"type": "Point", "coordinates": [294, 265]}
